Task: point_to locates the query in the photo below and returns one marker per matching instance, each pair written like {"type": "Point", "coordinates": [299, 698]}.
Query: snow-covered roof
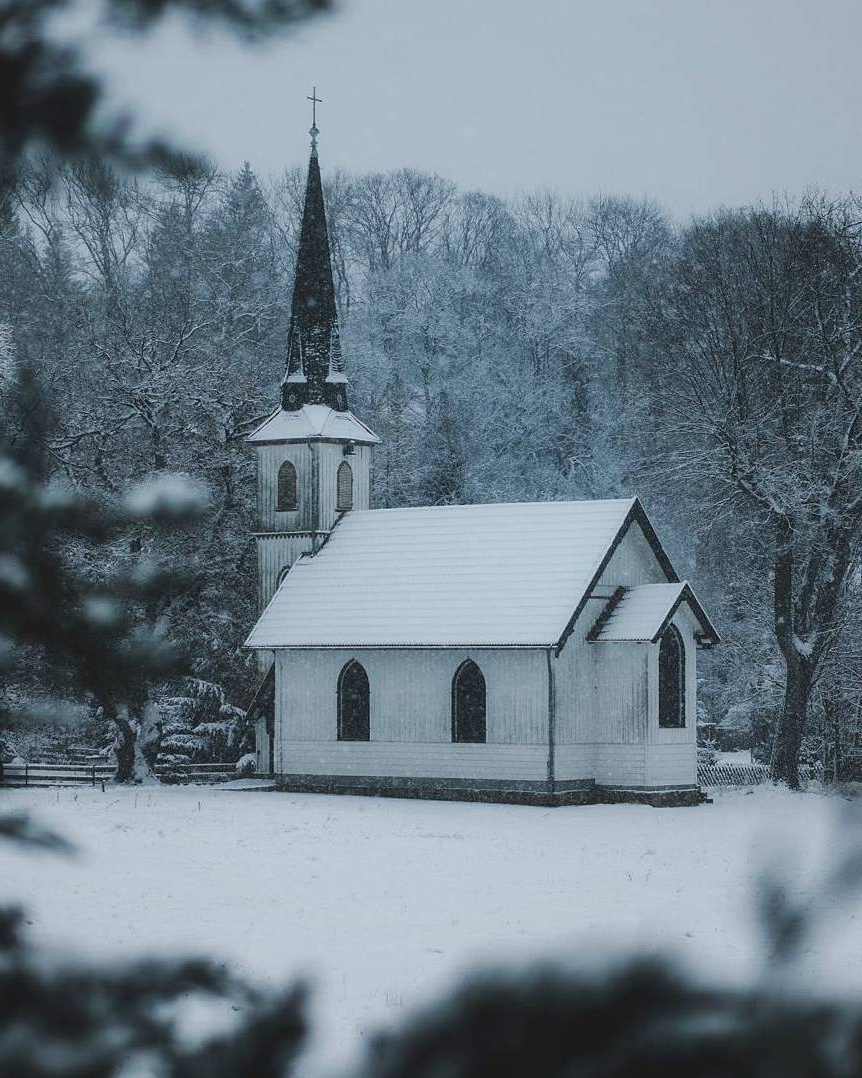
{"type": "Point", "coordinates": [313, 421]}
{"type": "Point", "coordinates": [447, 576]}
{"type": "Point", "coordinates": [642, 613]}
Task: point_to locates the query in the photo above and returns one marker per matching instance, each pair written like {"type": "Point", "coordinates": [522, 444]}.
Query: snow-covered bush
{"type": "Point", "coordinates": [246, 765]}
{"type": "Point", "coordinates": [200, 726]}
{"type": "Point", "coordinates": [8, 752]}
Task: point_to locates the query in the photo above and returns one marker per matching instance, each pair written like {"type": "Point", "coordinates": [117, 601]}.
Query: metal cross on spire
{"type": "Point", "coordinates": [313, 131]}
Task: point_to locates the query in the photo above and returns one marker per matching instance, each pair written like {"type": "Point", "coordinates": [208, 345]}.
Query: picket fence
{"type": "Point", "coordinates": [732, 774]}
{"type": "Point", "coordinates": [747, 774]}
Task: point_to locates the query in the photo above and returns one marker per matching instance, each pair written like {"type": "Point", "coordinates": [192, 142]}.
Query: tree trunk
{"type": "Point", "coordinates": [137, 741]}
{"type": "Point", "coordinates": [791, 724]}
{"type": "Point", "coordinates": [126, 737]}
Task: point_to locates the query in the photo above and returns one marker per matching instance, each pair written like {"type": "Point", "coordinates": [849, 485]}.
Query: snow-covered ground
{"type": "Point", "coordinates": [384, 902]}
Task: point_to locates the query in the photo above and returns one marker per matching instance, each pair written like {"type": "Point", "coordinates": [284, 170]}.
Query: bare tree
{"type": "Point", "coordinates": [761, 333]}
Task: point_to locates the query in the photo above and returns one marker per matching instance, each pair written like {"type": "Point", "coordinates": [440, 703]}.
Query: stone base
{"type": "Point", "coordinates": [541, 794]}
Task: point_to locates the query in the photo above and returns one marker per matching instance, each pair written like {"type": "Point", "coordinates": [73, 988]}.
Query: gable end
{"type": "Point", "coordinates": [637, 514]}
{"type": "Point", "coordinates": [706, 639]}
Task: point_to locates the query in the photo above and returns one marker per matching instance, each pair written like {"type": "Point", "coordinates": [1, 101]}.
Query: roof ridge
{"type": "Point", "coordinates": [497, 505]}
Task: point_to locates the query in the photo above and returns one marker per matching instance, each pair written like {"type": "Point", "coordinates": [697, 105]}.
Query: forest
{"type": "Point", "coordinates": [541, 347]}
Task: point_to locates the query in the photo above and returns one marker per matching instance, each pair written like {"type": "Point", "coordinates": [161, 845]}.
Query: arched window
{"type": "Point", "coordinates": [344, 488]}
{"type": "Point", "coordinates": [354, 711]}
{"type": "Point", "coordinates": [671, 679]}
{"type": "Point", "coordinates": [286, 500]}
{"type": "Point", "coordinates": [468, 704]}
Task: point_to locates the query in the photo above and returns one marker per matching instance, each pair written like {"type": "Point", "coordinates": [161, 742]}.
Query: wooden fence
{"type": "Point", "coordinates": [51, 774]}
{"type": "Point", "coordinates": [87, 773]}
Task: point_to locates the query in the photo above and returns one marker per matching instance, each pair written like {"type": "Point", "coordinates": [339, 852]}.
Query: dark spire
{"type": "Point", "coordinates": [314, 372]}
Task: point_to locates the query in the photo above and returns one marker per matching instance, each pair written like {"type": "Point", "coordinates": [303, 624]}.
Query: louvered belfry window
{"type": "Point", "coordinates": [468, 704]}
{"type": "Point", "coordinates": [286, 499]}
{"type": "Point", "coordinates": [671, 679]}
{"type": "Point", "coordinates": [344, 488]}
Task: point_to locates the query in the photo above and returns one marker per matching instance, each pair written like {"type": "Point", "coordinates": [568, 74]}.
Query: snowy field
{"type": "Point", "coordinates": [382, 903]}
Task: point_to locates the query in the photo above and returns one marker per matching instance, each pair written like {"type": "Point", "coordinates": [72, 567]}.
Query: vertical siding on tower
{"type": "Point", "coordinates": [331, 456]}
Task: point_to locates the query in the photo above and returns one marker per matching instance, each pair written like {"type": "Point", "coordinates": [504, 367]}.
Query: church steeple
{"type": "Point", "coordinates": [315, 373]}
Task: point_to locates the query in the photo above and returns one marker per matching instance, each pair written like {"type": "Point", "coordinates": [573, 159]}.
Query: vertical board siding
{"type": "Point", "coordinates": [275, 553]}
{"type": "Point", "coordinates": [410, 698]}
{"type": "Point", "coordinates": [270, 459]}
{"type": "Point", "coordinates": [672, 753]}
{"type": "Point", "coordinates": [632, 563]}
{"type": "Point", "coordinates": [607, 694]}
{"type": "Point", "coordinates": [602, 692]}
{"type": "Point", "coordinates": [331, 455]}
{"type": "Point", "coordinates": [295, 532]}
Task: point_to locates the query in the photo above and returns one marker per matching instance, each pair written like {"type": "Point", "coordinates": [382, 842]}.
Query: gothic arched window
{"type": "Point", "coordinates": [286, 498]}
{"type": "Point", "coordinates": [354, 704]}
{"type": "Point", "coordinates": [344, 488]}
{"type": "Point", "coordinates": [671, 679]}
{"type": "Point", "coordinates": [468, 704]}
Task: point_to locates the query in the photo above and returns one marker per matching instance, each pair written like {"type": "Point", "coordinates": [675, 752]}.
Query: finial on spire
{"type": "Point", "coordinates": [313, 131]}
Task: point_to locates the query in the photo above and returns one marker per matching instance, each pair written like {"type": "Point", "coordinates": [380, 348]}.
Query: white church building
{"type": "Point", "coordinates": [543, 653]}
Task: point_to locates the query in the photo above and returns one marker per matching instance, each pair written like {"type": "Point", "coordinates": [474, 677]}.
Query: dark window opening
{"type": "Point", "coordinates": [468, 704]}
{"type": "Point", "coordinates": [286, 499]}
{"type": "Point", "coordinates": [344, 488]}
{"type": "Point", "coordinates": [354, 698]}
{"type": "Point", "coordinates": [671, 679]}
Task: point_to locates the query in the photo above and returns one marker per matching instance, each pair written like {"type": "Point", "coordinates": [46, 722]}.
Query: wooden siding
{"type": "Point", "coordinates": [602, 698]}
{"type": "Point", "coordinates": [633, 562]}
{"type": "Point", "coordinates": [316, 466]}
{"type": "Point", "coordinates": [286, 535]}
{"type": "Point", "coordinates": [607, 693]}
{"type": "Point", "coordinates": [672, 753]}
{"type": "Point", "coordinates": [274, 554]}
{"type": "Point", "coordinates": [331, 455]}
{"type": "Point", "coordinates": [606, 699]}
{"type": "Point", "coordinates": [399, 759]}
{"type": "Point", "coordinates": [411, 716]}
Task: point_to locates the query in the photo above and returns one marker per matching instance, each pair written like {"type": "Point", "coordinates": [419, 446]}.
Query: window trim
{"type": "Point", "coordinates": [349, 665]}
{"type": "Point", "coordinates": [343, 504]}
{"type": "Point", "coordinates": [285, 486]}
{"type": "Point", "coordinates": [672, 633]}
{"type": "Point", "coordinates": [455, 718]}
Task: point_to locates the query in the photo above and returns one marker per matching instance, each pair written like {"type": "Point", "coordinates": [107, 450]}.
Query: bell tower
{"type": "Point", "coordinates": [313, 454]}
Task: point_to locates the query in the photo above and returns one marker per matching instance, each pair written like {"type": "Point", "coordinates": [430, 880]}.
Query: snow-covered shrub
{"type": "Point", "coordinates": [8, 752]}
{"type": "Point", "coordinates": [200, 725]}
{"type": "Point", "coordinates": [246, 765]}
{"type": "Point", "coordinates": [180, 745]}
{"type": "Point", "coordinates": [706, 754]}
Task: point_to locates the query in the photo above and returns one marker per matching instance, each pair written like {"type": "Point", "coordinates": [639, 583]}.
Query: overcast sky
{"type": "Point", "coordinates": [694, 102]}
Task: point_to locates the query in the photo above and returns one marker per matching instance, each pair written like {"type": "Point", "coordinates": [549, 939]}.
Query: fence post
{"type": "Point", "coordinates": [94, 775]}
{"type": "Point", "coordinates": [26, 773]}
